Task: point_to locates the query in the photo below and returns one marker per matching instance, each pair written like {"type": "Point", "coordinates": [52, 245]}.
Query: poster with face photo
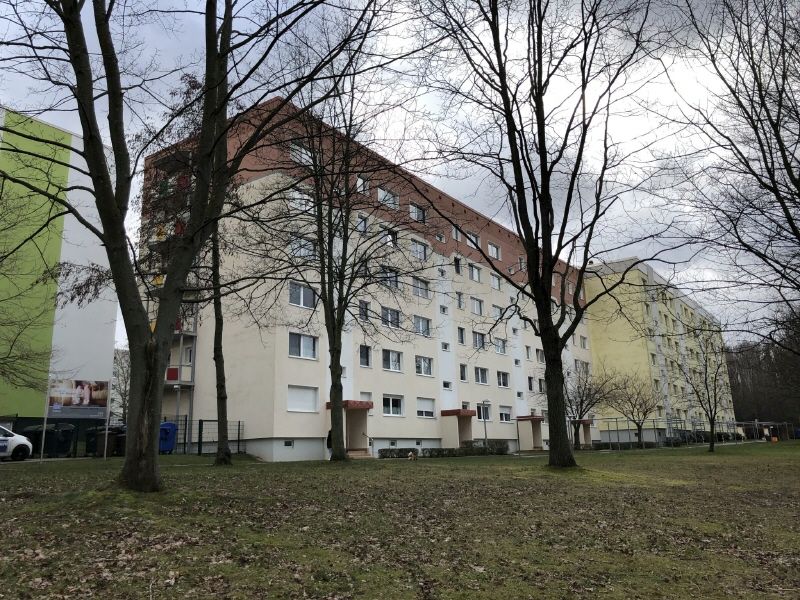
{"type": "Point", "coordinates": [77, 398]}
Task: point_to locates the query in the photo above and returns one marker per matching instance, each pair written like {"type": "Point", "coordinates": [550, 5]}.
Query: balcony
{"type": "Point", "coordinates": [178, 375]}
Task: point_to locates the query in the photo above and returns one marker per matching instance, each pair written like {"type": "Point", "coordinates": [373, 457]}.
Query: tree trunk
{"type": "Point", "coordinates": [338, 449]}
{"type": "Point", "coordinates": [713, 439]}
{"type": "Point", "coordinates": [576, 428]}
{"type": "Point", "coordinates": [640, 433]}
{"type": "Point", "coordinates": [140, 470]}
{"type": "Point", "coordinates": [560, 450]}
{"type": "Point", "coordinates": [223, 456]}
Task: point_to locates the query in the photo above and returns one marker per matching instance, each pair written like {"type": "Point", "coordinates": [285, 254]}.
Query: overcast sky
{"type": "Point", "coordinates": [183, 44]}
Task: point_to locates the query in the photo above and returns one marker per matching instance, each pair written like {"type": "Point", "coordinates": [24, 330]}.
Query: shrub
{"type": "Point", "coordinates": [397, 452]}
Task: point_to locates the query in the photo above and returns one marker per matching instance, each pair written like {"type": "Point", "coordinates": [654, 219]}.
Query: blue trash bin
{"type": "Point", "coordinates": [168, 439]}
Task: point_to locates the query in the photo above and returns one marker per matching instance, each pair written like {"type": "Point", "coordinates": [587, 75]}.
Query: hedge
{"type": "Point", "coordinates": [494, 447]}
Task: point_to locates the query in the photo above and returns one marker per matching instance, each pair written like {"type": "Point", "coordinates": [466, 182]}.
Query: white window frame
{"type": "Point", "coordinates": [495, 281]}
{"type": "Point", "coordinates": [423, 365]}
{"type": "Point", "coordinates": [392, 354]}
{"type": "Point", "coordinates": [476, 305]}
{"type": "Point", "coordinates": [315, 409]}
{"type": "Point", "coordinates": [417, 213]}
{"type": "Point", "coordinates": [481, 375]}
{"type": "Point", "coordinates": [500, 346]}
{"type": "Point", "coordinates": [422, 321]}
{"type": "Point", "coordinates": [300, 154]}
{"type": "Point", "coordinates": [421, 288]}
{"type": "Point", "coordinates": [386, 312]}
{"type": "Point", "coordinates": [419, 250]}
{"type": "Point", "coordinates": [473, 239]}
{"type": "Point", "coordinates": [388, 198]}
{"type": "Point", "coordinates": [302, 338]}
{"type": "Point", "coordinates": [483, 412]}
{"type": "Point", "coordinates": [302, 289]}
{"type": "Point", "coordinates": [475, 338]}
{"type": "Point", "coordinates": [474, 272]}
{"type": "Point", "coordinates": [368, 356]}
{"type": "Point", "coordinates": [494, 251]}
{"type": "Point", "coordinates": [504, 413]}
{"type": "Point", "coordinates": [362, 184]}
{"type": "Point", "coordinates": [394, 400]}
{"type": "Point", "coordinates": [503, 379]}
{"type": "Point", "coordinates": [423, 412]}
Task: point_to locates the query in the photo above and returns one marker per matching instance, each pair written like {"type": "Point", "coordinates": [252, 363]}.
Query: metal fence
{"type": "Point", "coordinates": [621, 433]}
{"type": "Point", "coordinates": [201, 436]}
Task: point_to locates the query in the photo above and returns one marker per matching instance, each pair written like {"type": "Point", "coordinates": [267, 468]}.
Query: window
{"type": "Point", "coordinates": [362, 184]}
{"type": "Point", "coordinates": [473, 240]}
{"type": "Point", "coordinates": [457, 265]}
{"type": "Point", "coordinates": [477, 306]}
{"type": "Point", "coordinates": [422, 325]}
{"type": "Point", "coordinates": [584, 342]}
{"type": "Point", "coordinates": [392, 360]}
{"type": "Point", "coordinates": [517, 362]}
{"type": "Point", "coordinates": [425, 408]}
{"type": "Point", "coordinates": [420, 287]}
{"type": "Point", "coordinates": [495, 281]}
{"type": "Point", "coordinates": [483, 412]}
{"type": "Point", "coordinates": [448, 385]}
{"type": "Point", "coordinates": [505, 414]}
{"type": "Point", "coordinates": [442, 309]}
{"type": "Point", "coordinates": [300, 201]}
{"type": "Point", "coordinates": [361, 224]}
{"type": "Point", "coordinates": [460, 300]}
{"type": "Point", "coordinates": [187, 355]}
{"type": "Point", "coordinates": [301, 295]}
{"type": "Point", "coordinates": [494, 251]}
{"type": "Point", "coordinates": [540, 355]}
{"type": "Point", "coordinates": [389, 237]}
{"type": "Point", "coordinates": [502, 379]}
{"type": "Point", "coordinates": [301, 399]}
{"type": "Point", "coordinates": [653, 358]}
{"type": "Point", "coordinates": [393, 406]}
{"type": "Point", "coordinates": [301, 247]}
{"type": "Point", "coordinates": [474, 273]}
{"type": "Point", "coordinates": [497, 311]}
{"type": "Point", "coordinates": [461, 336]}
{"type": "Point", "coordinates": [302, 346]}
{"type": "Point", "coordinates": [388, 198]}
{"type": "Point", "coordinates": [439, 238]}
{"type": "Point", "coordinates": [288, 443]}
{"type": "Point", "coordinates": [419, 250]}
{"type": "Point", "coordinates": [363, 310]}
{"type": "Point", "coordinates": [390, 316]}
{"type": "Point", "coordinates": [542, 386]}
{"type": "Point", "coordinates": [442, 272]}
{"type": "Point", "coordinates": [456, 234]}
{"type": "Point", "coordinates": [417, 212]}
{"type": "Point", "coordinates": [462, 372]}
{"type": "Point", "coordinates": [423, 365]}
{"type": "Point", "coordinates": [445, 347]}
{"type": "Point", "coordinates": [389, 277]}
{"type": "Point", "coordinates": [482, 375]}
{"type": "Point", "coordinates": [500, 345]}
{"type": "Point", "coordinates": [478, 340]}
{"type": "Point", "coordinates": [521, 263]}
{"type": "Point", "coordinates": [581, 367]}
{"type": "Point", "coordinates": [365, 356]}
{"type": "Point", "coordinates": [465, 406]}
{"type": "Point", "coordinates": [300, 154]}
{"type": "Point", "coordinates": [530, 384]}
{"type": "Point", "coordinates": [528, 352]}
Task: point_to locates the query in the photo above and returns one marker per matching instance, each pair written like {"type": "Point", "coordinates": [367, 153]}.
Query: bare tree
{"type": "Point", "coordinates": [585, 393]}
{"type": "Point", "coordinates": [533, 90]}
{"type": "Point", "coordinates": [122, 383]}
{"type": "Point", "coordinates": [745, 181]}
{"type": "Point", "coordinates": [50, 42]}
{"type": "Point", "coordinates": [636, 399]}
{"type": "Point", "coordinates": [706, 375]}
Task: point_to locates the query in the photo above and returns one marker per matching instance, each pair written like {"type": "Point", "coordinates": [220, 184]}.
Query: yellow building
{"type": "Point", "coordinates": [650, 330]}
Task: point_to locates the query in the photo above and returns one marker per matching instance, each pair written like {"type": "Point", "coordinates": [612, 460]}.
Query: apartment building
{"type": "Point", "coordinates": [653, 331]}
{"type": "Point", "coordinates": [67, 347]}
{"type": "Point", "coordinates": [433, 358]}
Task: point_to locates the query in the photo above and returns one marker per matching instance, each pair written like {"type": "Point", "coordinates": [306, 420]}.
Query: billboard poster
{"type": "Point", "coordinates": [77, 399]}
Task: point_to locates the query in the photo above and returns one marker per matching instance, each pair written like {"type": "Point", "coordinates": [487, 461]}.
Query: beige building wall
{"type": "Point", "coordinates": [260, 371]}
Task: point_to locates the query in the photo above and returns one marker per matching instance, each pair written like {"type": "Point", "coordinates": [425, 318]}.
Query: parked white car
{"type": "Point", "coordinates": [14, 446]}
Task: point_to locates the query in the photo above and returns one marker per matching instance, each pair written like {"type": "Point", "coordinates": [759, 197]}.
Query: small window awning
{"type": "Point", "coordinates": [459, 412]}
{"type": "Point", "coordinates": [531, 418]}
{"type": "Point", "coordinates": [354, 405]}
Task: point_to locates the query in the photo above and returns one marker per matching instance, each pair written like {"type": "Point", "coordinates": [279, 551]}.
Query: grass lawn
{"type": "Point", "coordinates": [638, 524]}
